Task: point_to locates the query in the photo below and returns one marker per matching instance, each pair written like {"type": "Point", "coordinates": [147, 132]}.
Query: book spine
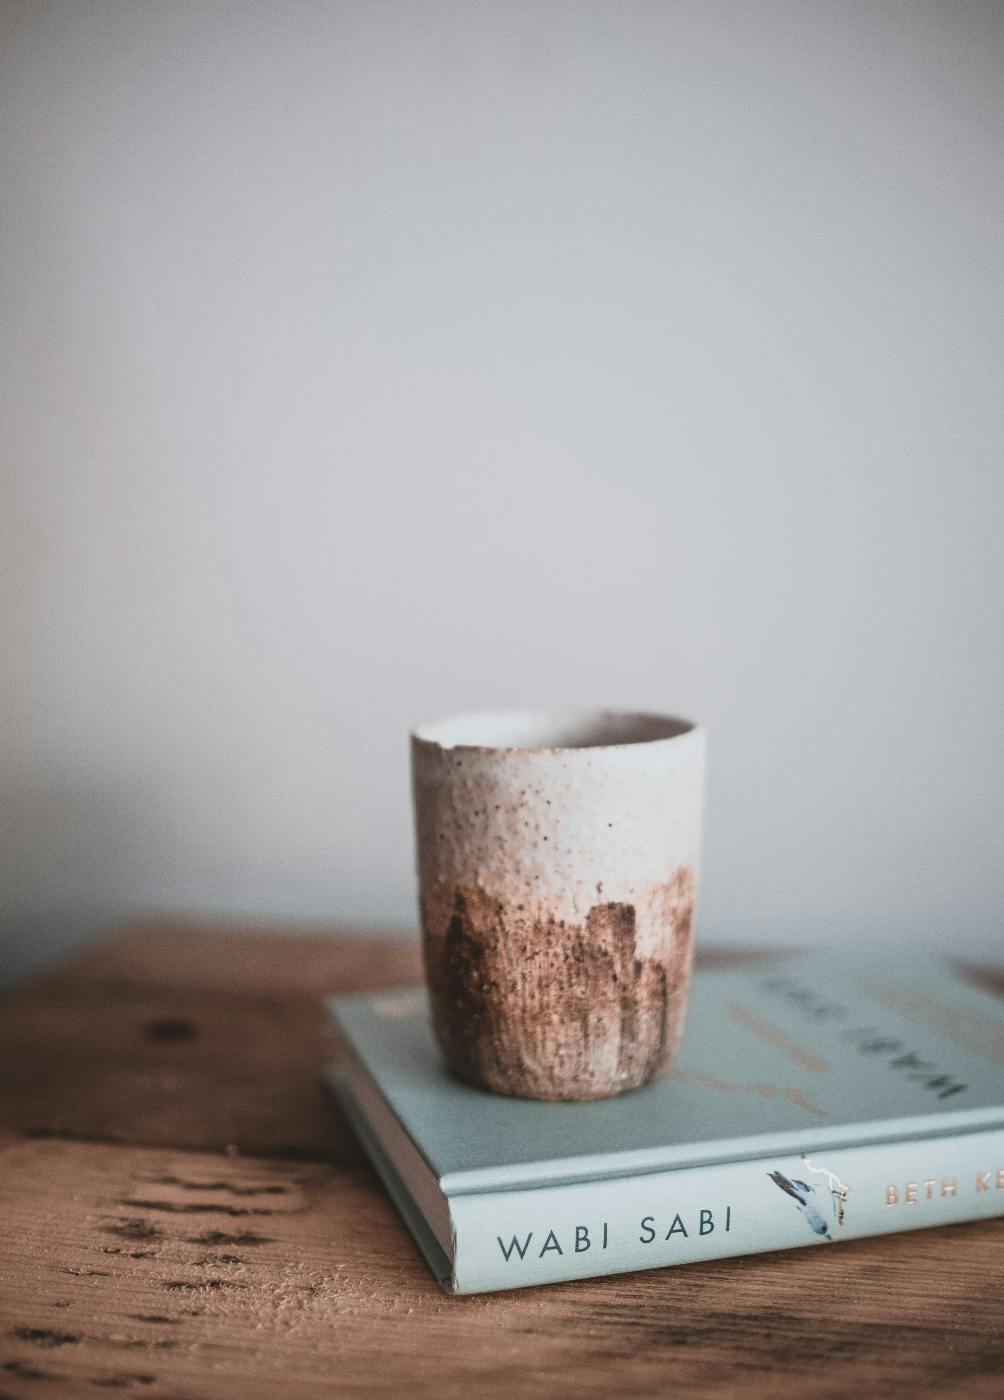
{"type": "Point", "coordinates": [513, 1239]}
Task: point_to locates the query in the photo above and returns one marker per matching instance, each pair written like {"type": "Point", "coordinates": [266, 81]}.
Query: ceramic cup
{"type": "Point", "coordinates": [557, 866]}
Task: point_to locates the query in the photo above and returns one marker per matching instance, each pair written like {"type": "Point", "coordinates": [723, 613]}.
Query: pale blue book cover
{"type": "Point", "coordinates": [814, 1048]}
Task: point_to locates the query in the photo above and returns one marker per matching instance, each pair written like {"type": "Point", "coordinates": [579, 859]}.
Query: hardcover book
{"type": "Point", "coordinates": [814, 1100]}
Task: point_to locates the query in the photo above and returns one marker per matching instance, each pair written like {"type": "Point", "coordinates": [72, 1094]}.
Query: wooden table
{"type": "Point", "coordinates": [182, 1215]}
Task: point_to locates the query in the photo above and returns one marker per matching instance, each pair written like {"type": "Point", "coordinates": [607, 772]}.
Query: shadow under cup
{"type": "Point", "coordinates": [557, 864]}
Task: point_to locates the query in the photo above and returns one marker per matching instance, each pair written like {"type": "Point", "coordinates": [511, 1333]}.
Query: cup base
{"type": "Point", "coordinates": [544, 1094]}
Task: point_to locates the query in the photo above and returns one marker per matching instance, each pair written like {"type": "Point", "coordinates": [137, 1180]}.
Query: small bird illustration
{"type": "Point", "coordinates": [804, 1195]}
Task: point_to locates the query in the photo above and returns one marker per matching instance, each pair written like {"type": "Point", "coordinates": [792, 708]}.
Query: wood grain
{"type": "Point", "coordinates": [166, 1034]}
{"type": "Point", "coordinates": [188, 1268]}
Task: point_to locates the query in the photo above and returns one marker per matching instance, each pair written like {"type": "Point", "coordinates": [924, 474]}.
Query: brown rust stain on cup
{"type": "Point", "coordinates": [533, 1005]}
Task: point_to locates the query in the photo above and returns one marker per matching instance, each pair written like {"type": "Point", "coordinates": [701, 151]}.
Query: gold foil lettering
{"type": "Point", "coordinates": [891, 1196]}
{"type": "Point", "coordinates": [910, 1194]}
{"type": "Point", "coordinates": [983, 1181]}
{"type": "Point", "coordinates": [949, 1186]}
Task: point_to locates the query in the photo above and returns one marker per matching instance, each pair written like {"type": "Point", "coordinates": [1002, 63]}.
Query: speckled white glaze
{"type": "Point", "coordinates": [557, 860]}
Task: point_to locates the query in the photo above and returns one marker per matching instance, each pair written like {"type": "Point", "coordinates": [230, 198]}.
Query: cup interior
{"type": "Point", "coordinates": [551, 729]}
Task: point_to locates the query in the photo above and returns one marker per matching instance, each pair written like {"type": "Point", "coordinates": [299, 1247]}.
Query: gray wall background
{"type": "Point", "coordinates": [364, 362]}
